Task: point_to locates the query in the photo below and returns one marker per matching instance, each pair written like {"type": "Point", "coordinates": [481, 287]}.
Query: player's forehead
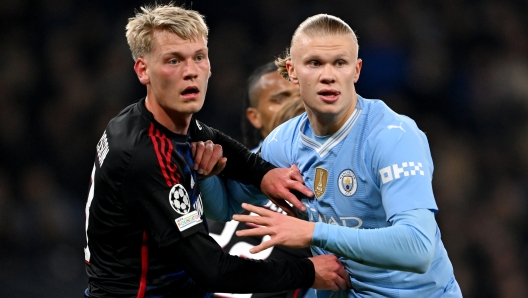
{"type": "Point", "coordinates": [272, 84]}
{"type": "Point", "coordinates": [164, 40]}
{"type": "Point", "coordinates": [328, 44]}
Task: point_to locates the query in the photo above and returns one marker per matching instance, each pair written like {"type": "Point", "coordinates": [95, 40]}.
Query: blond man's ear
{"type": "Point", "coordinates": [140, 67]}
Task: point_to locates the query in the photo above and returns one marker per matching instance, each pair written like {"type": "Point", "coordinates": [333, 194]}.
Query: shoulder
{"type": "Point", "coordinates": [123, 135]}
{"type": "Point", "coordinates": [277, 146]}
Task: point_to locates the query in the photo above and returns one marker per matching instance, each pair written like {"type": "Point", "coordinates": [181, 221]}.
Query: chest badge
{"type": "Point", "coordinates": [320, 181]}
{"type": "Point", "coordinates": [347, 183]}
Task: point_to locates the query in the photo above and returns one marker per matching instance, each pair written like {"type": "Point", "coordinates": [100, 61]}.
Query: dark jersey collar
{"type": "Point", "coordinates": [147, 114]}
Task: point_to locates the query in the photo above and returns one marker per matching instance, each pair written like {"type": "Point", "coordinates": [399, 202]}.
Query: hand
{"type": "Point", "coordinates": [208, 160]}
{"type": "Point", "coordinates": [284, 230]}
{"type": "Point", "coordinates": [330, 274]}
{"type": "Point", "coordinates": [278, 185]}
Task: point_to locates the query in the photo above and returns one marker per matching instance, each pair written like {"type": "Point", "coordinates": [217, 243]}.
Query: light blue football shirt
{"type": "Point", "coordinates": [376, 165]}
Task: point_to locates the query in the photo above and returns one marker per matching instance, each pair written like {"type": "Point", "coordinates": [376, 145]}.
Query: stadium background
{"type": "Point", "coordinates": [459, 68]}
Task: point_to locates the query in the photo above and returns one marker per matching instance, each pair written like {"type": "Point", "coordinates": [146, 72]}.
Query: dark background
{"type": "Point", "coordinates": [459, 68]}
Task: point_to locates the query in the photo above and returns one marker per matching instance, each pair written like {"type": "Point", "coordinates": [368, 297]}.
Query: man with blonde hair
{"type": "Point", "coordinates": [146, 233]}
{"type": "Point", "coordinates": [369, 168]}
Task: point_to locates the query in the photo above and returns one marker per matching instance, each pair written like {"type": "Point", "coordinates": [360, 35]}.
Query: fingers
{"type": "Point", "coordinates": [264, 245]}
{"type": "Point", "coordinates": [288, 196]}
{"type": "Point", "coordinates": [208, 157]}
{"type": "Point", "coordinates": [212, 155]}
{"type": "Point", "coordinates": [330, 273]}
{"type": "Point", "coordinates": [344, 281]}
{"type": "Point", "coordinates": [198, 154]}
{"type": "Point", "coordinates": [297, 182]}
{"type": "Point", "coordinates": [257, 210]}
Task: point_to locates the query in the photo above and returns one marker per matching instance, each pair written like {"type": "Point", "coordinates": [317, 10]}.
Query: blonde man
{"type": "Point", "coordinates": [370, 170]}
{"type": "Point", "coordinates": [145, 229]}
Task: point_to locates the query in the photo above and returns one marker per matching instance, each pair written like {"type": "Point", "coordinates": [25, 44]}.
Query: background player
{"type": "Point", "coordinates": [370, 170]}
{"type": "Point", "coordinates": [270, 99]}
{"type": "Point", "coordinates": [267, 93]}
{"type": "Point", "coordinates": [145, 231]}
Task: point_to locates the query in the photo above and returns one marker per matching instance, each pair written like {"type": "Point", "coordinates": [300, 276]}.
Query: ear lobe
{"type": "Point", "coordinates": [291, 72]}
{"type": "Point", "coordinates": [141, 71]}
{"type": "Point", "coordinates": [254, 117]}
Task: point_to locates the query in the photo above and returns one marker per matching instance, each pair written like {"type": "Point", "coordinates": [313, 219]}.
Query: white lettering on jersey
{"type": "Point", "coordinates": [198, 124]}
{"type": "Point", "coordinates": [87, 214]}
{"type": "Point", "coordinates": [344, 221]}
{"type": "Point", "coordinates": [395, 171]}
{"type": "Point", "coordinates": [198, 205]}
{"type": "Point", "coordinates": [395, 126]}
{"type": "Point", "coordinates": [102, 149]}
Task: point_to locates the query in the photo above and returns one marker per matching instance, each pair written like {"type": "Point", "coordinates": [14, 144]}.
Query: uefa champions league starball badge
{"type": "Point", "coordinates": [179, 199]}
{"type": "Point", "coordinates": [347, 183]}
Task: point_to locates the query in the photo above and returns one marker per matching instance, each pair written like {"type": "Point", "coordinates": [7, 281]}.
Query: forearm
{"type": "Point", "coordinates": [407, 245]}
{"type": "Point", "coordinates": [217, 271]}
{"type": "Point", "coordinates": [222, 199]}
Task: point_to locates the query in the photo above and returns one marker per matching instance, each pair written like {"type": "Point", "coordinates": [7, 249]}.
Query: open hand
{"type": "Point", "coordinates": [283, 230]}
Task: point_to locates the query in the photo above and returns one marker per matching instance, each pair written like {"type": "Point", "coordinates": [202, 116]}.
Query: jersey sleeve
{"type": "Point", "coordinates": [216, 271]}
{"type": "Point", "coordinates": [398, 157]}
{"type": "Point", "coordinates": [242, 165]}
{"type": "Point", "coordinates": [407, 245]}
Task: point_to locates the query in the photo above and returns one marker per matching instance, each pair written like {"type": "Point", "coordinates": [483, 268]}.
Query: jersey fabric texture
{"type": "Point", "coordinates": [143, 198]}
{"type": "Point", "coordinates": [376, 165]}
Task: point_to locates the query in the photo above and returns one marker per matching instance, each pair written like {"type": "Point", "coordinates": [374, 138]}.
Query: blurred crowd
{"type": "Point", "coordinates": [458, 68]}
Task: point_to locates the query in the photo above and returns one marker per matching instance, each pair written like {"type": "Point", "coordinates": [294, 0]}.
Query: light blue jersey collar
{"type": "Point", "coordinates": [334, 139]}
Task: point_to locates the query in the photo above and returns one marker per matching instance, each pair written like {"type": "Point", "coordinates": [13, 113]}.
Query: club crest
{"type": "Point", "coordinates": [320, 181]}
{"type": "Point", "coordinates": [347, 183]}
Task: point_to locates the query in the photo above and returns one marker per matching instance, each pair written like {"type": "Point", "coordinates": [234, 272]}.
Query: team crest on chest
{"type": "Point", "coordinates": [347, 183]}
{"type": "Point", "coordinates": [179, 199]}
{"type": "Point", "coordinates": [320, 181]}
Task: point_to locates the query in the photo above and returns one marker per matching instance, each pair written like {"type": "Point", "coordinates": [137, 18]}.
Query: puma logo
{"type": "Point", "coordinates": [394, 126]}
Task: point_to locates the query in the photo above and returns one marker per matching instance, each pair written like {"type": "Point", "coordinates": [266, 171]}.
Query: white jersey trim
{"type": "Point", "coordinates": [335, 138]}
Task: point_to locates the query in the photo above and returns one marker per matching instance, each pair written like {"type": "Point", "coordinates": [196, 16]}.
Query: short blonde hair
{"type": "Point", "coordinates": [317, 25]}
{"type": "Point", "coordinates": [187, 24]}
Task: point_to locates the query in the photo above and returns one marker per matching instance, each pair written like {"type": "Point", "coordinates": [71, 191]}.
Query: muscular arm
{"type": "Point", "coordinates": [407, 245]}
{"type": "Point", "coordinates": [216, 271]}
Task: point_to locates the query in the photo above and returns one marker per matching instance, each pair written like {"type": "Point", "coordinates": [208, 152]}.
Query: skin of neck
{"type": "Point", "coordinates": [324, 124]}
{"type": "Point", "coordinates": [173, 121]}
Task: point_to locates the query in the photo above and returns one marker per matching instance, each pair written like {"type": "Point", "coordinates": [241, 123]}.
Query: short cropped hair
{"type": "Point", "coordinates": [255, 77]}
{"type": "Point", "coordinates": [317, 25]}
{"type": "Point", "coordinates": [187, 24]}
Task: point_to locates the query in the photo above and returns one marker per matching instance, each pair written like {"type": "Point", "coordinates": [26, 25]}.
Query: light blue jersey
{"type": "Point", "coordinates": [376, 166]}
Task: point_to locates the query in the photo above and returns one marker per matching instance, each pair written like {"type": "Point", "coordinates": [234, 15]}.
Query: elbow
{"type": "Point", "coordinates": [421, 261]}
{"type": "Point", "coordinates": [421, 264]}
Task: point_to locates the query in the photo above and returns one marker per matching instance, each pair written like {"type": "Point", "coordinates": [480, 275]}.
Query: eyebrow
{"type": "Point", "coordinates": [179, 54]}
